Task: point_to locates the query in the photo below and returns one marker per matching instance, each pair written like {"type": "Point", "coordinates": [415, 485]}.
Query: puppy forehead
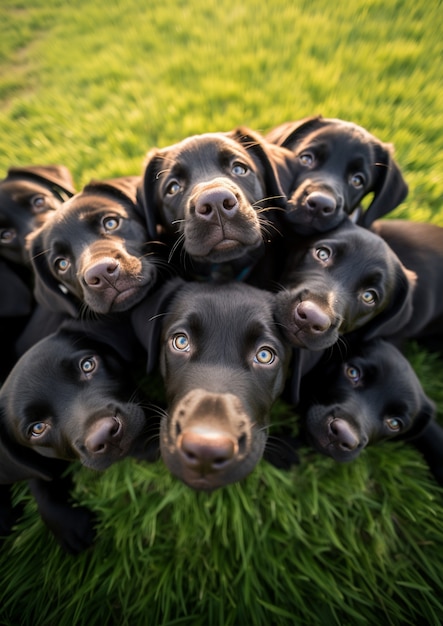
{"type": "Point", "coordinates": [204, 151]}
{"type": "Point", "coordinates": [342, 139]}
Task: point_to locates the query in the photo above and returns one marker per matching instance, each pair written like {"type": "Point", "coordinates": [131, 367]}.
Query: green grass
{"type": "Point", "coordinates": [94, 85]}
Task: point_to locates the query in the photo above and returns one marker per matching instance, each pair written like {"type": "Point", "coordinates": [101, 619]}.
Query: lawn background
{"type": "Point", "coordinates": [94, 85]}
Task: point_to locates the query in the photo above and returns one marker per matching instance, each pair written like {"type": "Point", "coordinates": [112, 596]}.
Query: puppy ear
{"type": "Point", "coordinates": [390, 321]}
{"type": "Point", "coordinates": [261, 152]}
{"type": "Point", "coordinates": [422, 421]}
{"type": "Point", "coordinates": [17, 462]}
{"type": "Point", "coordinates": [390, 188]}
{"type": "Point", "coordinates": [303, 361]}
{"type": "Point", "coordinates": [124, 188]}
{"type": "Point", "coordinates": [57, 177]}
{"type": "Point", "coordinates": [429, 442]}
{"type": "Point", "coordinates": [16, 295]}
{"type": "Point", "coordinates": [48, 292]}
{"type": "Point", "coordinates": [147, 318]}
{"type": "Point", "coordinates": [289, 133]}
{"type": "Point", "coordinates": [154, 164]}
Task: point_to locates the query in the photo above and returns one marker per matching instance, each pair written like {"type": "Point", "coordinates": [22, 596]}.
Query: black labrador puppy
{"type": "Point", "coordinates": [339, 282]}
{"type": "Point", "coordinates": [71, 397]}
{"type": "Point", "coordinates": [363, 395]}
{"type": "Point", "coordinates": [95, 254]}
{"type": "Point", "coordinates": [419, 246]}
{"type": "Point", "coordinates": [27, 196]}
{"type": "Point", "coordinates": [223, 364]}
{"type": "Point", "coordinates": [212, 196]}
{"type": "Point", "coordinates": [336, 164]}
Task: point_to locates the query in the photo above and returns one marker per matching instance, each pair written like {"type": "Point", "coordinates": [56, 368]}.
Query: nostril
{"type": "Point", "coordinates": [229, 203]}
{"type": "Point", "coordinates": [204, 209]}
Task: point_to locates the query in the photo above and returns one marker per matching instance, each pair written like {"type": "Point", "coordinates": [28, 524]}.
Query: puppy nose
{"type": "Point", "coordinates": [206, 452]}
{"type": "Point", "coordinates": [216, 202]}
{"type": "Point", "coordinates": [311, 317]}
{"type": "Point", "coordinates": [105, 432]}
{"type": "Point", "coordinates": [341, 433]}
{"type": "Point", "coordinates": [100, 274]}
{"type": "Point", "coordinates": [321, 203]}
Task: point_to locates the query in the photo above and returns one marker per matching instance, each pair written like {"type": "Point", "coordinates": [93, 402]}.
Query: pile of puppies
{"type": "Point", "coordinates": [238, 268]}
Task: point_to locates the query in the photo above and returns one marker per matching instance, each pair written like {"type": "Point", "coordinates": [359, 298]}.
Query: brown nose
{"type": "Point", "coordinates": [104, 433]}
{"type": "Point", "coordinates": [342, 435]}
{"type": "Point", "coordinates": [101, 274]}
{"type": "Point", "coordinates": [311, 317]}
{"type": "Point", "coordinates": [206, 452]}
{"type": "Point", "coordinates": [216, 202]}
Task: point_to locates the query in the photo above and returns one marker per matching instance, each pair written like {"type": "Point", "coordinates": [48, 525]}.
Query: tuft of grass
{"type": "Point", "coordinates": [94, 85]}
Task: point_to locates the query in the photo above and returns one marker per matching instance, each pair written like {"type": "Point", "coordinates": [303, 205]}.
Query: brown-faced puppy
{"type": "Point", "coordinates": [339, 282]}
{"type": "Point", "coordinates": [336, 164]}
{"type": "Point", "coordinates": [71, 397]}
{"type": "Point", "coordinates": [95, 252]}
{"type": "Point", "coordinates": [27, 196]}
{"type": "Point", "coordinates": [223, 364]}
{"type": "Point", "coordinates": [212, 194]}
{"type": "Point", "coordinates": [360, 395]}
{"type": "Point", "coordinates": [419, 246]}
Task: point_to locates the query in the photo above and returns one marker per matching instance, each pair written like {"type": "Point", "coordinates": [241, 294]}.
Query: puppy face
{"type": "Point", "coordinates": [371, 395]}
{"type": "Point", "coordinates": [207, 192]}
{"type": "Point", "coordinates": [69, 398]}
{"type": "Point", "coordinates": [223, 364]}
{"type": "Point", "coordinates": [94, 251]}
{"type": "Point", "coordinates": [340, 283]}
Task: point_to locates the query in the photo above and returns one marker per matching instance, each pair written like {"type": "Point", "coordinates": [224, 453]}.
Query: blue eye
{"type": "Point", "coordinates": [111, 223]}
{"type": "Point", "coordinates": [353, 373]}
{"type": "Point", "coordinates": [88, 365]}
{"type": "Point", "coordinates": [323, 253]}
{"type": "Point", "coordinates": [181, 343]}
{"type": "Point", "coordinates": [265, 356]}
{"type": "Point", "coordinates": [62, 264]}
{"type": "Point", "coordinates": [393, 424]}
{"type": "Point", "coordinates": [239, 169]}
{"type": "Point", "coordinates": [37, 429]}
{"type": "Point", "coordinates": [369, 297]}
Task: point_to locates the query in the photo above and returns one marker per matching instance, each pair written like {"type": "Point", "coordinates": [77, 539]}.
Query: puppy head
{"type": "Point", "coordinates": [337, 164]}
{"type": "Point", "coordinates": [94, 252]}
{"type": "Point", "coordinates": [208, 190]}
{"type": "Point", "coordinates": [368, 395]}
{"type": "Point", "coordinates": [345, 281]}
{"type": "Point", "coordinates": [223, 364]}
{"type": "Point", "coordinates": [27, 196]}
{"type": "Point", "coordinates": [70, 397]}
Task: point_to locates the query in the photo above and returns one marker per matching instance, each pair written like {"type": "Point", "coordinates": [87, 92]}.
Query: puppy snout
{"type": "Point", "coordinates": [321, 203]}
{"type": "Point", "coordinates": [310, 316]}
{"type": "Point", "coordinates": [216, 202]}
{"type": "Point", "coordinates": [342, 434]}
{"type": "Point", "coordinates": [102, 273]}
{"type": "Point", "coordinates": [207, 452]}
{"type": "Point", "coordinates": [104, 433]}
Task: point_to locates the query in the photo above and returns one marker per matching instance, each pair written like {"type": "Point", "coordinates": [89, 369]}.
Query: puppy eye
{"type": "Point", "coordinates": [7, 235]}
{"type": "Point", "coordinates": [369, 297]}
{"type": "Point", "coordinates": [265, 356]}
{"type": "Point", "coordinates": [173, 188]}
{"type": "Point", "coordinates": [353, 373]}
{"type": "Point", "coordinates": [181, 343]}
{"type": "Point", "coordinates": [239, 169]}
{"type": "Point", "coordinates": [61, 264]}
{"type": "Point", "coordinates": [323, 253]}
{"type": "Point", "coordinates": [357, 180]}
{"type": "Point", "coordinates": [111, 223]}
{"type": "Point", "coordinates": [306, 158]}
{"type": "Point", "coordinates": [38, 203]}
{"type": "Point", "coordinates": [393, 423]}
{"type": "Point", "coordinates": [88, 364]}
{"type": "Point", "coordinates": [38, 429]}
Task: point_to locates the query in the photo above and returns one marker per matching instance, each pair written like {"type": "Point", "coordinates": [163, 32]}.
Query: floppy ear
{"type": "Point", "coordinates": [153, 165]}
{"type": "Point", "coordinates": [57, 177]}
{"type": "Point", "coordinates": [47, 290]}
{"type": "Point", "coordinates": [124, 188]}
{"type": "Point", "coordinates": [430, 443]}
{"type": "Point", "coordinates": [289, 133]}
{"type": "Point", "coordinates": [17, 462]}
{"type": "Point", "coordinates": [258, 148]}
{"type": "Point", "coordinates": [303, 361]}
{"type": "Point", "coordinates": [147, 318]}
{"type": "Point", "coordinates": [16, 295]}
{"type": "Point", "coordinates": [390, 188]}
{"type": "Point", "coordinates": [421, 422]}
{"type": "Point", "coordinates": [399, 311]}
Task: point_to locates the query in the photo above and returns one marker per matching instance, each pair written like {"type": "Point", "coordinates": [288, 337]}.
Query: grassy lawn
{"type": "Point", "coordinates": [94, 84]}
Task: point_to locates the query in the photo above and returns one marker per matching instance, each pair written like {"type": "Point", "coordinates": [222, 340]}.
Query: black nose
{"type": "Point", "coordinates": [341, 433]}
{"type": "Point", "coordinates": [311, 317]}
{"type": "Point", "coordinates": [101, 274]}
{"type": "Point", "coordinates": [104, 433]}
{"type": "Point", "coordinates": [216, 202]}
{"type": "Point", "coordinates": [321, 203]}
{"type": "Point", "coordinates": [206, 453]}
